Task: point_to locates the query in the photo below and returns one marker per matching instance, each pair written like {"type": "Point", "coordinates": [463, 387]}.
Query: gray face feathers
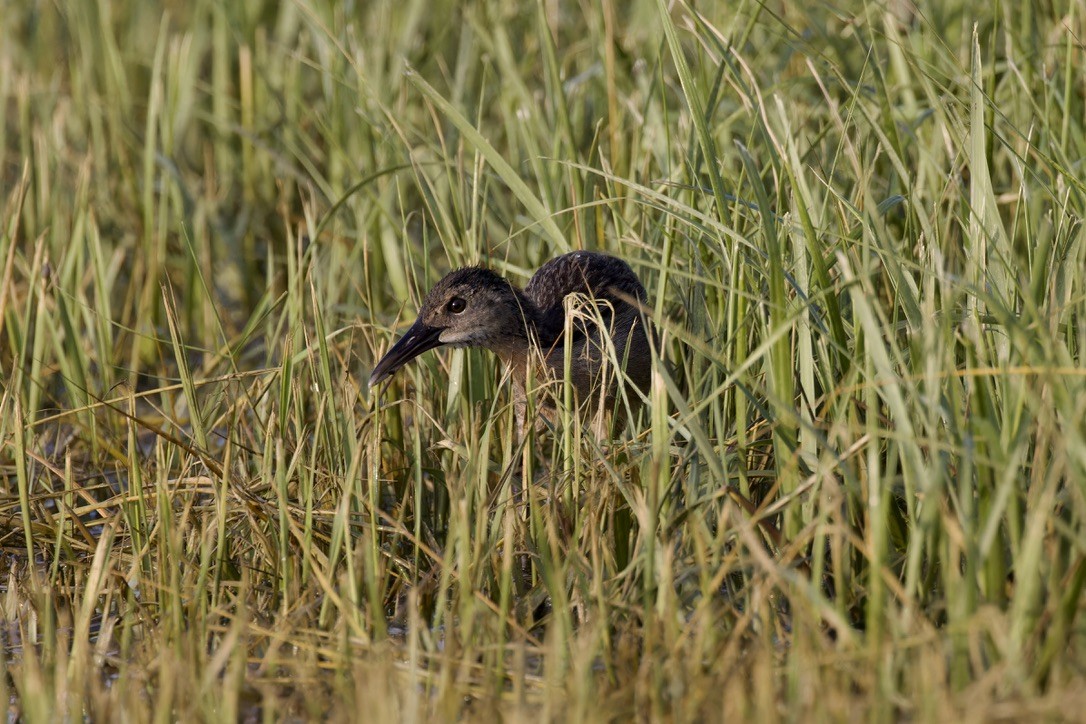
{"type": "Point", "coordinates": [470, 307]}
{"type": "Point", "coordinates": [474, 307]}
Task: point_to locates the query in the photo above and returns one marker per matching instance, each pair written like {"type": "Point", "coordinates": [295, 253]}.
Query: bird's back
{"type": "Point", "coordinates": [582, 272]}
{"type": "Point", "coordinates": [615, 292]}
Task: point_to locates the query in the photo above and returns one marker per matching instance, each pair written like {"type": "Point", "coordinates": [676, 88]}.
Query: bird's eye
{"type": "Point", "coordinates": [457, 305]}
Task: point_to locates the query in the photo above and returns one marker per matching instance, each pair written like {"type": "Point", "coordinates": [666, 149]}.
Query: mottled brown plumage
{"type": "Point", "coordinates": [527, 329]}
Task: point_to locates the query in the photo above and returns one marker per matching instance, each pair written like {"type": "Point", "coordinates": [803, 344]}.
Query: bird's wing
{"type": "Point", "coordinates": [606, 279]}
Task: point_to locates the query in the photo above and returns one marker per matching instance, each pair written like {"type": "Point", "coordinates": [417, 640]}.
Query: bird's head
{"type": "Point", "coordinates": [471, 307]}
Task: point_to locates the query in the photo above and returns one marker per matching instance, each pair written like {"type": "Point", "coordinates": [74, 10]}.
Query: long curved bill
{"type": "Point", "coordinates": [420, 338]}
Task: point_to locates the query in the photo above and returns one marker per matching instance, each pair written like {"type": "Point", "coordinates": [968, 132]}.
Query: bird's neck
{"type": "Point", "coordinates": [530, 334]}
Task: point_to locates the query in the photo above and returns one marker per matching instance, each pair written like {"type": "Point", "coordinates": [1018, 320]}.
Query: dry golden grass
{"type": "Point", "coordinates": [859, 490]}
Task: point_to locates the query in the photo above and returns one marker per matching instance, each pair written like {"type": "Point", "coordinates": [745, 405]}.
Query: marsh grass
{"type": "Point", "coordinates": [857, 491]}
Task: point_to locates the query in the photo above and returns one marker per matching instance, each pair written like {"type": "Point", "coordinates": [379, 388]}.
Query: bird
{"type": "Point", "coordinates": [531, 330]}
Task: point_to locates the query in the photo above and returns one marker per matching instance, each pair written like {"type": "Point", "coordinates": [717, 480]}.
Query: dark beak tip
{"type": "Point", "coordinates": [377, 377]}
{"type": "Point", "coordinates": [415, 341]}
{"type": "Point", "coordinates": [382, 371]}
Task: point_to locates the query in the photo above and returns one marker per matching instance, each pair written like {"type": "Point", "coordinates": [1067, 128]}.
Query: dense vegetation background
{"type": "Point", "coordinates": [860, 491]}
